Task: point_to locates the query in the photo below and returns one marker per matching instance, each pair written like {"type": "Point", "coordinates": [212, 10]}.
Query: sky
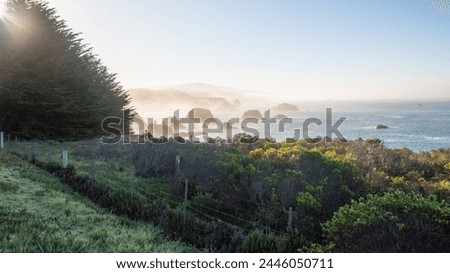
{"type": "Point", "coordinates": [321, 49]}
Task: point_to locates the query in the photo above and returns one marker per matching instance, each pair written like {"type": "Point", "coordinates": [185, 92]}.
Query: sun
{"type": "Point", "coordinates": [2, 10]}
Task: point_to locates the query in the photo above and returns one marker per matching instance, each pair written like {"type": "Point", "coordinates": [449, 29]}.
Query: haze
{"type": "Point", "coordinates": [304, 50]}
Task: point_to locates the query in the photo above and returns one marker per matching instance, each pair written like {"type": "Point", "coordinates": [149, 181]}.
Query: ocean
{"type": "Point", "coordinates": [416, 125]}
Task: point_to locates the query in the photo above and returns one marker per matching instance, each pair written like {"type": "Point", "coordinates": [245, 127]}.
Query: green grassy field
{"type": "Point", "coordinates": [110, 171]}
{"type": "Point", "coordinates": [40, 214]}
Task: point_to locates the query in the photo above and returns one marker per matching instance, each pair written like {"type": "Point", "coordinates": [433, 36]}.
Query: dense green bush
{"type": "Point", "coordinates": [326, 185]}
{"type": "Point", "coordinates": [394, 222]}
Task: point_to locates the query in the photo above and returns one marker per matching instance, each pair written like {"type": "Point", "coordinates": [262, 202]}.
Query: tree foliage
{"type": "Point", "coordinates": [51, 83]}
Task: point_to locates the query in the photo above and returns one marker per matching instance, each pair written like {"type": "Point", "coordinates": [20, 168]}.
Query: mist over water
{"type": "Point", "coordinates": [419, 125]}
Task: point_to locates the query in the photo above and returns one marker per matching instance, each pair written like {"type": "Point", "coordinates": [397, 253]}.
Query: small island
{"type": "Point", "coordinates": [201, 113]}
{"type": "Point", "coordinates": [286, 107]}
{"type": "Point", "coordinates": [280, 116]}
{"type": "Point", "coordinates": [252, 114]}
{"type": "Point", "coordinates": [381, 127]}
{"type": "Point", "coordinates": [237, 103]}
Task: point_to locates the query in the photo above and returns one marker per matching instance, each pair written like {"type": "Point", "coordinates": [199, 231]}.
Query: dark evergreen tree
{"type": "Point", "coordinates": [51, 83]}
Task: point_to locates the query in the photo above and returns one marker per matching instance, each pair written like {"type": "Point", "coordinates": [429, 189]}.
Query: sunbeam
{"type": "Point", "coordinates": [3, 11]}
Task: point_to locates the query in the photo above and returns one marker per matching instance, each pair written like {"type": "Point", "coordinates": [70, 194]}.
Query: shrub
{"type": "Point", "coordinates": [153, 160]}
{"type": "Point", "coordinates": [259, 242]}
{"type": "Point", "coordinates": [394, 222]}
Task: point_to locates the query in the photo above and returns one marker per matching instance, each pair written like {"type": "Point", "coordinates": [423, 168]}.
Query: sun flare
{"type": "Point", "coordinates": [14, 24]}
{"type": "Point", "coordinates": [3, 12]}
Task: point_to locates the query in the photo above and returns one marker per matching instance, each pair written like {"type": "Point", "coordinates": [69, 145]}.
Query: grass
{"type": "Point", "coordinates": [40, 214]}
{"type": "Point", "coordinates": [112, 172]}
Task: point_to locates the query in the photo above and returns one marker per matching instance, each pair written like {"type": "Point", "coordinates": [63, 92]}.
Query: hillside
{"type": "Point", "coordinates": [162, 101]}
{"type": "Point", "coordinates": [342, 196]}
{"type": "Point", "coordinates": [39, 214]}
{"type": "Point", "coordinates": [183, 96]}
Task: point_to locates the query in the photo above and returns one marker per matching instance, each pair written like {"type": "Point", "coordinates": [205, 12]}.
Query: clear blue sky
{"type": "Point", "coordinates": [315, 49]}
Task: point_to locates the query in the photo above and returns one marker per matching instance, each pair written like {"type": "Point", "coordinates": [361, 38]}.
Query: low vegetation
{"type": "Point", "coordinates": [394, 222]}
{"type": "Point", "coordinates": [356, 196]}
{"type": "Point", "coordinates": [40, 214]}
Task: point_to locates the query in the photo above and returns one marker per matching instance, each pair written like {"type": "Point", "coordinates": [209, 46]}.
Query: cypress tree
{"type": "Point", "coordinates": [51, 83]}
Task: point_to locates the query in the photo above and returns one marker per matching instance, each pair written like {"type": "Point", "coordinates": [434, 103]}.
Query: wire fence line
{"type": "Point", "coordinates": [53, 152]}
{"type": "Point", "coordinates": [217, 219]}
{"type": "Point", "coordinates": [202, 213]}
{"type": "Point", "coordinates": [182, 199]}
{"type": "Point", "coordinates": [191, 205]}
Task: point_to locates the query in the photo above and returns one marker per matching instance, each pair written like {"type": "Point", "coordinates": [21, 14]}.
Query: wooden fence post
{"type": "Point", "coordinates": [65, 159]}
{"type": "Point", "coordinates": [289, 228]}
{"type": "Point", "coordinates": [2, 142]}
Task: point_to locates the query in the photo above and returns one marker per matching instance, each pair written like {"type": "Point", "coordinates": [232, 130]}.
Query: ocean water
{"type": "Point", "coordinates": [417, 125]}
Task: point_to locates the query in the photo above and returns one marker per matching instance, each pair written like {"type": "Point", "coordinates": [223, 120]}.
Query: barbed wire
{"type": "Point", "coordinates": [194, 206]}
{"type": "Point", "coordinates": [182, 199]}
{"type": "Point", "coordinates": [191, 203]}
{"type": "Point", "coordinates": [255, 224]}
{"type": "Point", "coordinates": [217, 219]}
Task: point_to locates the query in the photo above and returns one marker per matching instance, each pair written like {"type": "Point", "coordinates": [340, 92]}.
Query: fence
{"type": "Point", "coordinates": [41, 151]}
{"type": "Point", "coordinates": [35, 150]}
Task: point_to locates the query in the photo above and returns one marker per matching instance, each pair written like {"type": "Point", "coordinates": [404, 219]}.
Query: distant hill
{"type": "Point", "coordinates": [168, 99]}
{"type": "Point", "coordinates": [226, 107]}
{"type": "Point", "coordinates": [209, 90]}
{"type": "Point", "coordinates": [160, 102]}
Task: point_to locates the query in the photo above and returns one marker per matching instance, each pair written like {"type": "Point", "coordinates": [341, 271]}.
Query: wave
{"type": "Point", "coordinates": [395, 116]}
{"type": "Point", "coordinates": [432, 138]}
